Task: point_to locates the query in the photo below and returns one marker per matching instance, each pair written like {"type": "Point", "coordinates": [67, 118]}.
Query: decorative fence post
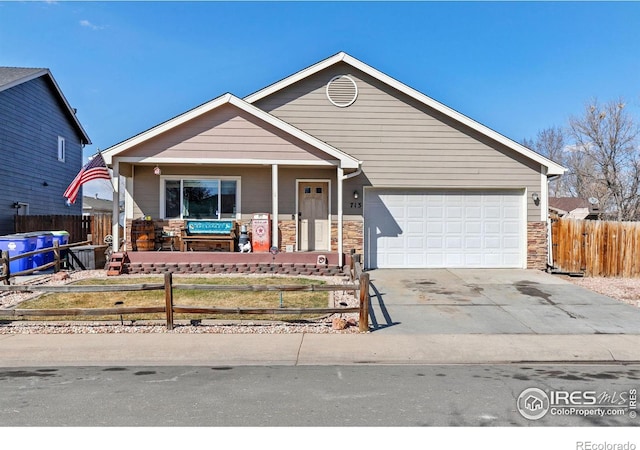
{"type": "Point", "coordinates": [4, 266]}
{"type": "Point", "coordinates": [56, 256]}
{"type": "Point", "coordinates": [168, 297]}
{"type": "Point", "coordinates": [364, 303]}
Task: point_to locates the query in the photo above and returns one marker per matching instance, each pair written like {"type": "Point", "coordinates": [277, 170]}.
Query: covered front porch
{"type": "Point", "coordinates": [228, 161]}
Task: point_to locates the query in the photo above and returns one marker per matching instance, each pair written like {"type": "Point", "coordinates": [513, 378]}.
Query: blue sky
{"type": "Point", "coordinates": [517, 67]}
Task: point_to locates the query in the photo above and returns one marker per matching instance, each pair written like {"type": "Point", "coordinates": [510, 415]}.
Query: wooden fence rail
{"type": "Point", "coordinates": [170, 308]}
{"type": "Point", "coordinates": [596, 248]}
{"type": "Point", "coordinates": [5, 260]}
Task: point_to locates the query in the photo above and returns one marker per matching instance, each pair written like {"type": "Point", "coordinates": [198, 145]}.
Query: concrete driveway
{"type": "Point", "coordinates": [492, 301]}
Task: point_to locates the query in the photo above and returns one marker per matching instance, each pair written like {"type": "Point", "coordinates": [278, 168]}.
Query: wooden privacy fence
{"type": "Point", "coordinates": [80, 228]}
{"type": "Point", "coordinates": [170, 308]}
{"type": "Point", "coordinates": [596, 248]}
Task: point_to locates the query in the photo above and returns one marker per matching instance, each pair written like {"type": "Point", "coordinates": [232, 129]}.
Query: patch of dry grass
{"type": "Point", "coordinates": [185, 297]}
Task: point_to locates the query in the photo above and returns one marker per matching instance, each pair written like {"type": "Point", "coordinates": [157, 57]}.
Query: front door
{"type": "Point", "coordinates": [313, 225]}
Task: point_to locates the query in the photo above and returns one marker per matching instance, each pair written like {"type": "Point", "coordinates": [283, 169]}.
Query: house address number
{"type": "Point", "coordinates": [356, 205]}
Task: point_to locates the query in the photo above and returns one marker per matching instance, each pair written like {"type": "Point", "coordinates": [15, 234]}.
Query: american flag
{"type": "Point", "coordinates": [93, 170]}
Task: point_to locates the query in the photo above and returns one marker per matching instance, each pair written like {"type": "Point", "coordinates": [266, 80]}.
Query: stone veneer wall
{"type": "Point", "coordinates": [352, 237]}
{"type": "Point", "coordinates": [287, 234]}
{"type": "Point", "coordinates": [537, 249]}
{"type": "Point", "coordinates": [236, 268]}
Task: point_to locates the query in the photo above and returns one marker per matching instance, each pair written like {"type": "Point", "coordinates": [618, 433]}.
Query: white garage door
{"type": "Point", "coordinates": [431, 229]}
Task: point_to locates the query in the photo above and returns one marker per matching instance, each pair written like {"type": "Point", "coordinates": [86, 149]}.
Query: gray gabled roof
{"type": "Point", "coordinates": [14, 76]}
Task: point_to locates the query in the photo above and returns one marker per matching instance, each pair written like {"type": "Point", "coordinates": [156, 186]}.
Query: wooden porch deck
{"type": "Point", "coordinates": [294, 263]}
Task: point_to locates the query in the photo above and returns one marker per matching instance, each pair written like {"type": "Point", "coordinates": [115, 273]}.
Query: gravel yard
{"type": "Point", "coordinates": [626, 290]}
{"type": "Point", "coordinates": [323, 325]}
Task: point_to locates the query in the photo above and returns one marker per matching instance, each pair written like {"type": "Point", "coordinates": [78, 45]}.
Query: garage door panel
{"type": "Point", "coordinates": [472, 259]}
{"type": "Point", "coordinates": [511, 243]}
{"type": "Point", "coordinates": [415, 242]}
{"type": "Point", "coordinates": [434, 227]}
{"type": "Point", "coordinates": [454, 212]}
{"type": "Point", "coordinates": [453, 228]}
{"type": "Point", "coordinates": [453, 260]}
{"type": "Point", "coordinates": [453, 243]}
{"type": "Point", "coordinates": [415, 227]}
{"type": "Point", "coordinates": [471, 243]}
{"type": "Point", "coordinates": [492, 243]}
{"type": "Point", "coordinates": [510, 226]}
{"type": "Point", "coordinates": [435, 212]}
{"type": "Point", "coordinates": [444, 229]}
{"type": "Point", "coordinates": [492, 227]}
{"type": "Point", "coordinates": [435, 260]}
{"type": "Point", "coordinates": [492, 212]}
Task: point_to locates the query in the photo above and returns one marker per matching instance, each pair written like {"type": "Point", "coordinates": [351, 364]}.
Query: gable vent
{"type": "Point", "coordinates": [342, 91]}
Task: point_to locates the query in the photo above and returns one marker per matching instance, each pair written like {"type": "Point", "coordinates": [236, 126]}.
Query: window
{"type": "Point", "coordinates": [206, 198]}
{"type": "Point", "coordinates": [61, 148]}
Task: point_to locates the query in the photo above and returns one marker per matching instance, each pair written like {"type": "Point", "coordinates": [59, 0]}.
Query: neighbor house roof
{"type": "Point", "coordinates": [96, 204]}
{"type": "Point", "coordinates": [573, 207]}
{"type": "Point", "coordinates": [346, 161]}
{"type": "Point", "coordinates": [14, 76]}
{"type": "Point", "coordinates": [552, 167]}
{"type": "Point", "coordinates": [568, 203]}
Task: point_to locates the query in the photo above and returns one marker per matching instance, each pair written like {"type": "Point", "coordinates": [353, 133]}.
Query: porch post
{"type": "Point", "coordinates": [274, 205]}
{"type": "Point", "coordinates": [340, 218]}
{"type": "Point", "coordinates": [115, 212]}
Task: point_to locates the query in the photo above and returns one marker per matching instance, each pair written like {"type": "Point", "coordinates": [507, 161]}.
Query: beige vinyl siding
{"type": "Point", "coordinates": [227, 133]}
{"type": "Point", "coordinates": [402, 142]}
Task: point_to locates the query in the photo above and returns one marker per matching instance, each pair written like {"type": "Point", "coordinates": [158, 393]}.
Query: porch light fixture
{"type": "Point", "coordinates": [536, 198]}
{"type": "Point", "coordinates": [156, 170]}
{"type": "Point", "coordinates": [356, 194]}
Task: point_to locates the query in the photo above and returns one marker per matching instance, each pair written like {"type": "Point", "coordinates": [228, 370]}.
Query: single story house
{"type": "Point", "coordinates": [344, 158]}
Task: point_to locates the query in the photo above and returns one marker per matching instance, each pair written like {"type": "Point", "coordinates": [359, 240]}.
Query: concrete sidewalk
{"type": "Point", "coordinates": [29, 350]}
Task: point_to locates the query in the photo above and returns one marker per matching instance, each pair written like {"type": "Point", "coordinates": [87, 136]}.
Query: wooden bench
{"type": "Point", "coordinates": [216, 235]}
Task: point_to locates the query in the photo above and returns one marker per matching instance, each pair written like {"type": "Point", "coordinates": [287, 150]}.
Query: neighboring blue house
{"type": "Point", "coordinates": [41, 142]}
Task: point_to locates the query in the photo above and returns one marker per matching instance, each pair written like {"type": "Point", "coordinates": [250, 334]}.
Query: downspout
{"type": "Point", "coordinates": [549, 234]}
{"type": "Point", "coordinates": [341, 179]}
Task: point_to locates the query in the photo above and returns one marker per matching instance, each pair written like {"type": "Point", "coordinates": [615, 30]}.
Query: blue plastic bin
{"type": "Point", "coordinates": [18, 244]}
{"type": "Point", "coordinates": [44, 239]}
{"type": "Point", "coordinates": [62, 238]}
